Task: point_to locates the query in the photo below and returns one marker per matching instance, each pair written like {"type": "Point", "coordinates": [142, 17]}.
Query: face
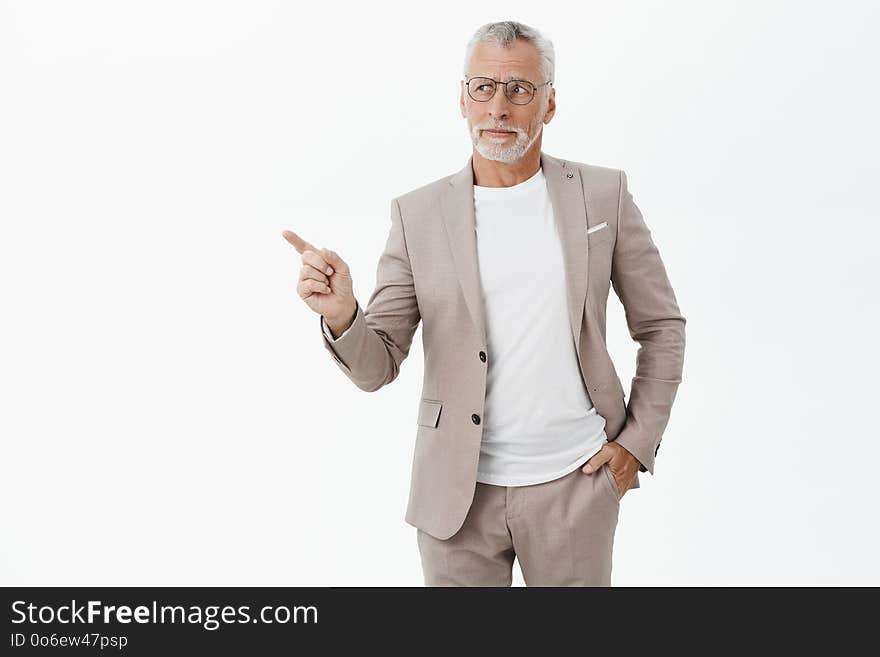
{"type": "Point", "coordinates": [520, 126]}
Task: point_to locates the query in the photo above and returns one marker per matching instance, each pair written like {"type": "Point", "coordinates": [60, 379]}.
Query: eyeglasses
{"type": "Point", "coordinates": [519, 92]}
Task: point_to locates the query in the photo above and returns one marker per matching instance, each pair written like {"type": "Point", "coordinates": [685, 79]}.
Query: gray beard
{"type": "Point", "coordinates": [506, 154]}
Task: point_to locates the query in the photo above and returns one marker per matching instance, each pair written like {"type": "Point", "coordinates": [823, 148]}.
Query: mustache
{"type": "Point", "coordinates": [498, 127]}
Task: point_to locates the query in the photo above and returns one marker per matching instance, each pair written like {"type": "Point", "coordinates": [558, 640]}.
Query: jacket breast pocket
{"type": "Point", "coordinates": [599, 235]}
{"type": "Point", "coordinates": [429, 412]}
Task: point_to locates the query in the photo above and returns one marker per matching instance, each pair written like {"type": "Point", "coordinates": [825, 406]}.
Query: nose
{"type": "Point", "coordinates": [499, 104]}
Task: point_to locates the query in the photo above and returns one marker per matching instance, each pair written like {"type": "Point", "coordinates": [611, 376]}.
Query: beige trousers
{"type": "Point", "coordinates": [562, 532]}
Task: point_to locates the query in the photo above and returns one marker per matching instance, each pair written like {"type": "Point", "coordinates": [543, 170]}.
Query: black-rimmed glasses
{"type": "Point", "coordinates": [519, 92]}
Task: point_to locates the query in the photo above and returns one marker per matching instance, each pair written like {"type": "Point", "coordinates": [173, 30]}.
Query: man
{"type": "Point", "coordinates": [524, 446]}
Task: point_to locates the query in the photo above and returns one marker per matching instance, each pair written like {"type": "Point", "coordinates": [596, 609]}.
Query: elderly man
{"type": "Point", "coordinates": [525, 444]}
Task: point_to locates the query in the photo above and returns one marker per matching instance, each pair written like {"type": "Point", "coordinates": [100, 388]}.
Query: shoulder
{"type": "Point", "coordinates": [423, 199]}
{"type": "Point", "coordinates": [604, 187]}
{"type": "Point", "coordinates": [599, 178]}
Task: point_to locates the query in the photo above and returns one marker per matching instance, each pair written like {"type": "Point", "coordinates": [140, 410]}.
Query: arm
{"type": "Point", "coordinates": [655, 322]}
{"type": "Point", "coordinates": [371, 350]}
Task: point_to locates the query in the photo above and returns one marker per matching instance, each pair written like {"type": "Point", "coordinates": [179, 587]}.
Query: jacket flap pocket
{"type": "Point", "coordinates": [429, 412]}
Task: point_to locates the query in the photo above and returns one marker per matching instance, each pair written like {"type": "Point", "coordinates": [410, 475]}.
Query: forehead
{"type": "Point", "coordinates": [521, 60]}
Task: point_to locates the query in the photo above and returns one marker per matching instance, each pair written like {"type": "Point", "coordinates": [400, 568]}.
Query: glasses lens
{"type": "Point", "coordinates": [481, 89]}
{"type": "Point", "coordinates": [520, 92]}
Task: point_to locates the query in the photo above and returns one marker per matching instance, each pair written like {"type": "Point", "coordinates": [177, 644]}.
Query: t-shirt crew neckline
{"type": "Point", "coordinates": [525, 186]}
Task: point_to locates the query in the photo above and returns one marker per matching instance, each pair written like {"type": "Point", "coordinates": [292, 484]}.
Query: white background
{"type": "Point", "coordinates": [169, 415]}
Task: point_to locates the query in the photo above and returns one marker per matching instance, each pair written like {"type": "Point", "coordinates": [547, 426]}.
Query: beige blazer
{"type": "Point", "coordinates": [428, 272]}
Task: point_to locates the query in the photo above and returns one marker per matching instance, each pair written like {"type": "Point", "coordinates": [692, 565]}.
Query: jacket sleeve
{"type": "Point", "coordinates": [655, 322]}
{"type": "Point", "coordinates": [371, 350]}
{"type": "Point", "coordinates": [329, 333]}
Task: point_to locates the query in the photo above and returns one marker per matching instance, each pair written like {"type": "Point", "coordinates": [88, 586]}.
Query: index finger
{"type": "Point", "coordinates": [298, 242]}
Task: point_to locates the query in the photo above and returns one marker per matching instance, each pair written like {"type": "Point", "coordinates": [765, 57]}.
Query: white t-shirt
{"type": "Point", "coordinates": [539, 421]}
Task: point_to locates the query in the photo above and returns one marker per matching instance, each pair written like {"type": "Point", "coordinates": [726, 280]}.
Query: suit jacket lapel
{"type": "Point", "coordinates": [457, 204]}
{"type": "Point", "coordinates": [570, 213]}
{"type": "Point", "coordinates": [569, 210]}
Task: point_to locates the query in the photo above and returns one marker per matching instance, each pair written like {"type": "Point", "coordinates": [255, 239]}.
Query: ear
{"type": "Point", "coordinates": [551, 106]}
{"type": "Point", "coordinates": [461, 101]}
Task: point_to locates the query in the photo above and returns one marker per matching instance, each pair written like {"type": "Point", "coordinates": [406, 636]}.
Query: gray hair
{"type": "Point", "coordinates": [505, 33]}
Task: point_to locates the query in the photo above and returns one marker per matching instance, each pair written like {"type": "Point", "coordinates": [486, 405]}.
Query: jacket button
{"type": "Point", "coordinates": [475, 418]}
{"type": "Point", "coordinates": [483, 356]}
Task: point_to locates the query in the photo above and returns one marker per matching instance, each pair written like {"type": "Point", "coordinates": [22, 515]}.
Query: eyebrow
{"type": "Point", "coordinates": [513, 76]}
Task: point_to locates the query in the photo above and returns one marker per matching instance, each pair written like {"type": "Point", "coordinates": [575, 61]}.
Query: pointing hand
{"type": "Point", "coordinates": [325, 283]}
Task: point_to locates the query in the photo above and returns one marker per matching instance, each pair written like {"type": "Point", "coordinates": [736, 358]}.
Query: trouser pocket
{"type": "Point", "coordinates": [612, 482]}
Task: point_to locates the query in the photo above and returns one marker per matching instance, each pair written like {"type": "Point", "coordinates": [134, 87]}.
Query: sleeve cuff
{"type": "Point", "coordinates": [644, 452]}
{"type": "Point", "coordinates": [329, 334]}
